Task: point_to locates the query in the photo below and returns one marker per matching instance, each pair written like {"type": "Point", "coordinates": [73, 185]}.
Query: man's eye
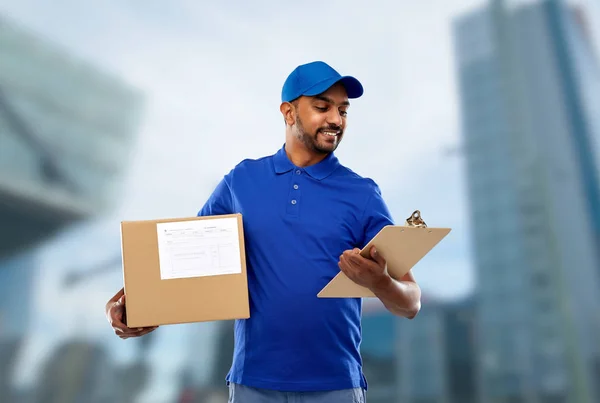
{"type": "Point", "coordinates": [321, 108]}
{"type": "Point", "coordinates": [344, 113]}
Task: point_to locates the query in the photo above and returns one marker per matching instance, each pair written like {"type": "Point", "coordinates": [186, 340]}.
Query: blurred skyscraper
{"type": "Point", "coordinates": [78, 372]}
{"type": "Point", "coordinates": [377, 350]}
{"type": "Point", "coordinates": [66, 133]}
{"type": "Point", "coordinates": [15, 280]}
{"type": "Point", "coordinates": [436, 354]}
{"type": "Point", "coordinates": [529, 90]}
{"type": "Point", "coordinates": [209, 357]}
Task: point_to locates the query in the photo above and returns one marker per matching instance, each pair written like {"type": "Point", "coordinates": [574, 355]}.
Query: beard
{"type": "Point", "coordinates": [311, 141]}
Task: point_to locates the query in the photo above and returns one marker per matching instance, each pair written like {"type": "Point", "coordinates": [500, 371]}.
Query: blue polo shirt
{"type": "Point", "coordinates": [297, 222]}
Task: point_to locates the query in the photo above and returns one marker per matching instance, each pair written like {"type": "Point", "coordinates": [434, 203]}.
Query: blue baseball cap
{"type": "Point", "coordinates": [315, 78]}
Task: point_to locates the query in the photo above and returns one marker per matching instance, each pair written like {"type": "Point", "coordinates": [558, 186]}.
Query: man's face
{"type": "Point", "coordinates": [321, 120]}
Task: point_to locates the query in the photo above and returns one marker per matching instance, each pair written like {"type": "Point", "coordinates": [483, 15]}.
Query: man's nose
{"type": "Point", "coordinates": [334, 117]}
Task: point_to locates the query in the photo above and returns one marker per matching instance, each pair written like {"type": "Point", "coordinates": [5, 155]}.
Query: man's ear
{"type": "Point", "coordinates": [288, 112]}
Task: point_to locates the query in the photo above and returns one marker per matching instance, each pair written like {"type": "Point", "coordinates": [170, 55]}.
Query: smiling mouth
{"type": "Point", "coordinates": [330, 133]}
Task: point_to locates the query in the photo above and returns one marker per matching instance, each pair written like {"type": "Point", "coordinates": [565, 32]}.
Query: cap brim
{"type": "Point", "coordinates": [354, 88]}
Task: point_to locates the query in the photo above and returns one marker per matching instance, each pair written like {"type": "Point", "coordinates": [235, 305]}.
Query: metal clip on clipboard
{"type": "Point", "coordinates": [415, 220]}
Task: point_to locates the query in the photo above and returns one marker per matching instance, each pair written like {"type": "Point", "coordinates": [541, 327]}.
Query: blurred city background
{"type": "Point", "coordinates": [485, 115]}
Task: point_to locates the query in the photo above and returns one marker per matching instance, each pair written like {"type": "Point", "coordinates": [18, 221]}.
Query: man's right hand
{"type": "Point", "coordinates": [115, 312]}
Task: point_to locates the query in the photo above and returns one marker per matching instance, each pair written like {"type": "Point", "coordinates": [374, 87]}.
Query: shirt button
{"type": "Point", "coordinates": [298, 172]}
{"type": "Point", "coordinates": [293, 201]}
{"type": "Point", "coordinates": [295, 186]}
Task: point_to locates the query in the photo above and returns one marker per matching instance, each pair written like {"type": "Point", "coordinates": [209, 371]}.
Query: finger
{"type": "Point", "coordinates": [116, 313]}
{"type": "Point", "coordinates": [377, 257]}
{"type": "Point", "coordinates": [355, 260]}
{"type": "Point", "coordinates": [136, 332]}
{"type": "Point", "coordinates": [121, 334]}
{"type": "Point", "coordinates": [122, 328]}
{"type": "Point", "coordinates": [349, 265]}
{"type": "Point", "coordinates": [343, 265]}
{"type": "Point", "coordinates": [117, 323]}
{"type": "Point", "coordinates": [125, 331]}
{"type": "Point", "coordinates": [131, 334]}
{"type": "Point", "coordinates": [119, 306]}
{"type": "Point", "coordinates": [117, 296]}
{"type": "Point", "coordinates": [120, 293]}
{"type": "Point", "coordinates": [147, 330]}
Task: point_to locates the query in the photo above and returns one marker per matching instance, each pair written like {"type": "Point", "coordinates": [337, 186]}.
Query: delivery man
{"type": "Point", "coordinates": [306, 216]}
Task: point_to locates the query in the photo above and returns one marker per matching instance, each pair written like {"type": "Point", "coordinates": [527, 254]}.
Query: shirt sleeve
{"type": "Point", "coordinates": [376, 216]}
{"type": "Point", "coordinates": [220, 202]}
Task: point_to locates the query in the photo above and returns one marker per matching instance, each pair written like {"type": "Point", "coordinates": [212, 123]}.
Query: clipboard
{"type": "Point", "coordinates": [402, 246]}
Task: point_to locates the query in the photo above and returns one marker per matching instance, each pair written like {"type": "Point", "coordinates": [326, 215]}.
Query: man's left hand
{"type": "Point", "coordinates": [363, 271]}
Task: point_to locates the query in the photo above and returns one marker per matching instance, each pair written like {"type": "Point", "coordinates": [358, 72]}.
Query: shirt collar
{"type": "Point", "coordinates": [318, 171]}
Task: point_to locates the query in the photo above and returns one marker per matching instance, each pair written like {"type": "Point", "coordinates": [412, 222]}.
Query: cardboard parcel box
{"type": "Point", "coordinates": [184, 270]}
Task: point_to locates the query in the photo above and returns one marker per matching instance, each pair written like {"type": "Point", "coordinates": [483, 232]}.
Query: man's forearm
{"type": "Point", "coordinates": [401, 298]}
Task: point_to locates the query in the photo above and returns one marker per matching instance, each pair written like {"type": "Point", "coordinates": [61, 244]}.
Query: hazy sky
{"type": "Point", "coordinates": [211, 73]}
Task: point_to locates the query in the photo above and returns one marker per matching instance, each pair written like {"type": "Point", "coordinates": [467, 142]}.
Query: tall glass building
{"type": "Point", "coordinates": [66, 130]}
{"type": "Point", "coordinates": [379, 334]}
{"type": "Point", "coordinates": [15, 305]}
{"type": "Point", "coordinates": [529, 91]}
{"type": "Point", "coordinates": [436, 354]}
